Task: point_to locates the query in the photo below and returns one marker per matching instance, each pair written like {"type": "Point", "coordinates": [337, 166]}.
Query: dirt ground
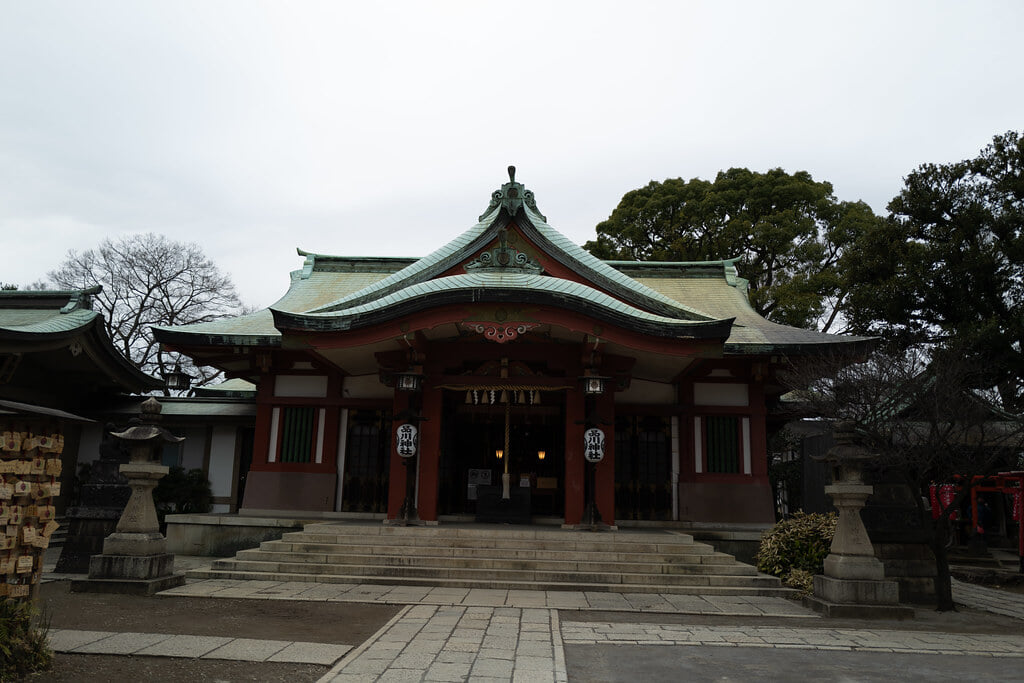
{"type": "Point", "coordinates": [315, 622]}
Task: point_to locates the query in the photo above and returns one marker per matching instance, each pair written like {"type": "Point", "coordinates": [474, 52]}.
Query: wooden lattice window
{"type": "Point", "coordinates": [298, 434]}
{"type": "Point", "coordinates": [723, 444]}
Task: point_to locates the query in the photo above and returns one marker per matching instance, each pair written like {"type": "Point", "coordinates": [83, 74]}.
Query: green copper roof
{"type": "Point", "coordinates": [485, 285]}
{"type": "Point", "coordinates": [47, 312]}
{"type": "Point", "coordinates": [60, 332]}
{"type": "Point", "coordinates": [339, 293]}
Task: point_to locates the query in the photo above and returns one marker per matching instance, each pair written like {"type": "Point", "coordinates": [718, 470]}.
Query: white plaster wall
{"type": "Point", "coordinates": [222, 460]}
{"type": "Point", "coordinates": [708, 394]}
{"type": "Point", "coordinates": [365, 386]}
{"type": "Point", "coordinates": [309, 386]}
{"type": "Point", "coordinates": [645, 392]}
{"type": "Point", "coordinates": [193, 447]}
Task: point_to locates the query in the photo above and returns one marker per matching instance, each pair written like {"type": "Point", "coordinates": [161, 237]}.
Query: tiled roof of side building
{"type": "Point", "coordinates": [46, 311]}
{"type": "Point", "coordinates": [716, 289]}
{"type": "Point", "coordinates": [318, 282]}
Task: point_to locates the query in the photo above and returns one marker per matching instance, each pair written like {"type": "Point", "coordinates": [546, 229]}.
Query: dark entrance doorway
{"type": "Point", "coordinates": [643, 467]}
{"type": "Point", "coordinates": [472, 434]}
{"type": "Point", "coordinates": [367, 457]}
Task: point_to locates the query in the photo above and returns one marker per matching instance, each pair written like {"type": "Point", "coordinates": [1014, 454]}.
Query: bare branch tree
{"type": "Point", "coordinates": [931, 419]}
{"type": "Point", "coordinates": [150, 280]}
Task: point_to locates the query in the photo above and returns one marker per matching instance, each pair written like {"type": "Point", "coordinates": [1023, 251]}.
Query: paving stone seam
{"type": "Point", "coordinates": [355, 652]}
{"type": "Point", "coordinates": [838, 639]}
{"type": "Point", "coordinates": [611, 602]}
{"type": "Point", "coordinates": [193, 650]}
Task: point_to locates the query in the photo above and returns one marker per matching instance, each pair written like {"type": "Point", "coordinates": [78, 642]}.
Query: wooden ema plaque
{"type": "Point", "coordinates": [30, 467]}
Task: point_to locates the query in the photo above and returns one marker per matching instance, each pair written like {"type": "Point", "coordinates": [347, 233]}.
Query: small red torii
{"type": "Point", "coordinates": [1009, 483]}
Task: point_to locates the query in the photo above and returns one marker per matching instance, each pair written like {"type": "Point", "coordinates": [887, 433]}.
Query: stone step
{"type": "Point", "coordinates": [497, 574]}
{"type": "Point", "coordinates": [436, 550]}
{"type": "Point", "coordinates": [608, 543]}
{"type": "Point", "coordinates": [767, 590]}
{"type": "Point", "coordinates": [499, 531]}
{"type": "Point", "coordinates": [568, 563]}
{"type": "Point", "coordinates": [497, 557]}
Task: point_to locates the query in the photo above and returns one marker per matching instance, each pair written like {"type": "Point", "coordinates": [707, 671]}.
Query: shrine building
{"type": "Point", "coordinates": [477, 371]}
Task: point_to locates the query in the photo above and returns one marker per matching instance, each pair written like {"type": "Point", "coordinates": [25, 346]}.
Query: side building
{"type": "Point", "coordinates": [488, 361]}
{"type": "Point", "coordinates": [60, 373]}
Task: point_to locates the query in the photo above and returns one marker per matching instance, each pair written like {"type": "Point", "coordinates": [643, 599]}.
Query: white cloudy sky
{"type": "Point", "coordinates": [381, 128]}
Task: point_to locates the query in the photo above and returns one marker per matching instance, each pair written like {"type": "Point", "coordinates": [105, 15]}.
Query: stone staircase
{"type": "Point", "coordinates": [497, 557]}
{"type": "Point", "coordinates": [60, 536]}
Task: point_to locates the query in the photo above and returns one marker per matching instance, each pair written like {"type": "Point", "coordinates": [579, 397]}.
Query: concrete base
{"type": "Point", "coordinates": [137, 544]}
{"type": "Point", "coordinates": [129, 574]}
{"type": "Point", "coordinates": [128, 586]}
{"type": "Point", "coordinates": [212, 535]}
{"type": "Point", "coordinates": [856, 592]}
{"type": "Point", "coordinates": [401, 521]}
{"type": "Point", "coordinates": [846, 611]}
{"type": "Point", "coordinates": [590, 527]}
{"type": "Point", "coordinates": [854, 567]}
{"type": "Point", "coordinates": [131, 567]}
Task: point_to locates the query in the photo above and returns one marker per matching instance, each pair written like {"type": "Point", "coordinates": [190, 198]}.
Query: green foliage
{"type": "Point", "coordinates": [788, 231]}
{"type": "Point", "coordinates": [23, 645]}
{"type": "Point", "coordinates": [947, 269]}
{"type": "Point", "coordinates": [182, 491]}
{"type": "Point", "coordinates": [795, 548]}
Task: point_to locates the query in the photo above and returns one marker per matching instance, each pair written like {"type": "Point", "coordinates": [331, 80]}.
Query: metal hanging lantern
{"type": "Point", "coordinates": [408, 381]}
{"type": "Point", "coordinates": [177, 379]}
{"type": "Point", "coordinates": [594, 385]}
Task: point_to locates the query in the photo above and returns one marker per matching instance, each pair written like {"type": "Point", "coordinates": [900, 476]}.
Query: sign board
{"type": "Point", "coordinates": [593, 445]}
{"type": "Point", "coordinates": [406, 440]}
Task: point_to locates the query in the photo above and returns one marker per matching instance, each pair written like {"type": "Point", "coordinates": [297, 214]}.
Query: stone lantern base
{"type": "Point", "coordinates": [857, 598]}
{"type": "Point", "coordinates": [131, 574]}
{"type": "Point", "coordinates": [135, 558]}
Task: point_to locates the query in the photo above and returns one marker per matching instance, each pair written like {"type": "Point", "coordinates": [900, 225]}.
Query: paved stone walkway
{"type": "Point", "coordinates": [720, 605]}
{"type": "Point", "coordinates": [484, 644]}
{"type": "Point", "coordinates": [862, 640]}
{"type": "Point", "coordinates": [989, 599]}
{"type": "Point", "coordinates": [456, 634]}
{"type": "Point", "coordinates": [204, 647]}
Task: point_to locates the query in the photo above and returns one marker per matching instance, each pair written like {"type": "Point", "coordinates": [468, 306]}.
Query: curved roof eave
{"type": "Point", "coordinates": [559, 247]}
{"type": "Point", "coordinates": [582, 261]}
{"type": "Point", "coordinates": [826, 343]}
{"type": "Point", "coordinates": [486, 287]}
{"type": "Point", "coordinates": [428, 267]}
{"type": "Point", "coordinates": [55, 326]}
{"type": "Point", "coordinates": [179, 337]}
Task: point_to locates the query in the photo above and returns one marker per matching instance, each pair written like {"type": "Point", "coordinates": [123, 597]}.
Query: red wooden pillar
{"type": "Point", "coordinates": [574, 462]}
{"type": "Point", "coordinates": [429, 454]}
{"type": "Point", "coordinates": [604, 476]}
{"type": "Point", "coordinates": [758, 432]}
{"type": "Point", "coordinates": [396, 480]}
{"type": "Point", "coordinates": [264, 413]}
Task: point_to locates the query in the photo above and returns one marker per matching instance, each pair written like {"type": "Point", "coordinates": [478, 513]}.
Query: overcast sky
{"type": "Point", "coordinates": [370, 128]}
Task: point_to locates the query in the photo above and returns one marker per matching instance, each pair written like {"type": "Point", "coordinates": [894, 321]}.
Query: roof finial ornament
{"type": "Point", "coordinates": [512, 196]}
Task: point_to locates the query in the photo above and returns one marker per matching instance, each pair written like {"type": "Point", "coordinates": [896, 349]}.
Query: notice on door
{"type": "Point", "coordinates": [477, 477]}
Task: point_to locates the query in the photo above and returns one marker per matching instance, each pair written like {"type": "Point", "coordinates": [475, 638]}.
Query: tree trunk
{"type": "Point", "coordinates": [943, 580]}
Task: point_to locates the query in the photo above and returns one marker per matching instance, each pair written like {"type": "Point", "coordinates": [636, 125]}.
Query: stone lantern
{"type": "Point", "coordinates": [135, 557]}
{"type": "Point", "coordinates": [854, 582]}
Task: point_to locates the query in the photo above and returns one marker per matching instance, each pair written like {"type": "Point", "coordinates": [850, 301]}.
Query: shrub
{"type": "Point", "coordinates": [182, 491]}
{"type": "Point", "coordinates": [23, 646]}
{"type": "Point", "coordinates": [795, 548]}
